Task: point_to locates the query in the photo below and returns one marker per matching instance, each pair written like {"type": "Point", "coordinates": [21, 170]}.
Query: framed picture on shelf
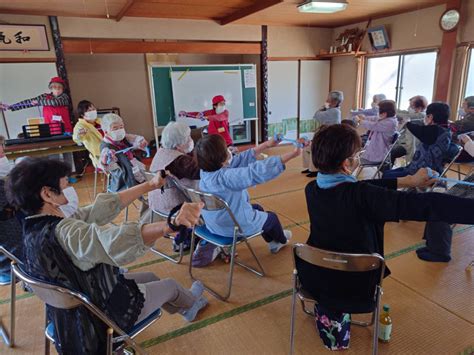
{"type": "Point", "coordinates": [378, 38]}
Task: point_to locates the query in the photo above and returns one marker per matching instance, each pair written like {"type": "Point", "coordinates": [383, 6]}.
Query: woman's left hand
{"type": "Point", "coordinates": [143, 144]}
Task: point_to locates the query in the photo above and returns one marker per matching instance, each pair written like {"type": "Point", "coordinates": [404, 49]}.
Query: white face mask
{"type": "Point", "coordinates": [374, 105]}
{"type": "Point", "coordinates": [5, 167]}
{"type": "Point", "coordinates": [72, 202]}
{"type": "Point", "coordinates": [461, 112]}
{"type": "Point", "coordinates": [220, 109]}
{"type": "Point", "coordinates": [326, 105]}
{"type": "Point", "coordinates": [118, 135]}
{"type": "Point", "coordinates": [90, 115]}
{"type": "Point", "coordinates": [411, 110]}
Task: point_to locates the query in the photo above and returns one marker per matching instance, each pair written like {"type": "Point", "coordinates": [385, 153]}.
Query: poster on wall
{"type": "Point", "coordinates": [23, 38]}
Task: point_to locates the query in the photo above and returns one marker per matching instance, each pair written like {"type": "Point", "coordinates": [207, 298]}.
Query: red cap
{"type": "Point", "coordinates": [217, 99]}
{"type": "Point", "coordinates": [58, 80]}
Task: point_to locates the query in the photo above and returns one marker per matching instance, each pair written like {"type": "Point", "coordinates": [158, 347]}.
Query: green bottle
{"type": "Point", "coordinates": [385, 325]}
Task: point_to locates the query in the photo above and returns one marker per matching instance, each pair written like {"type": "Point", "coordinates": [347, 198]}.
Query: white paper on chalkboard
{"type": "Point", "coordinates": [250, 79]}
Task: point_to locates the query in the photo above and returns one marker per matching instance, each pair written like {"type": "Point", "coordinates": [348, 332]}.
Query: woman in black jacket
{"type": "Point", "coordinates": [349, 216]}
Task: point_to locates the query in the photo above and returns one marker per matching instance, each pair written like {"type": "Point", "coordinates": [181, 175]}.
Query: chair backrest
{"type": "Point", "coordinates": [451, 156]}
{"type": "Point", "coordinates": [61, 297]}
{"type": "Point", "coordinates": [341, 281]}
{"type": "Point", "coordinates": [211, 202]}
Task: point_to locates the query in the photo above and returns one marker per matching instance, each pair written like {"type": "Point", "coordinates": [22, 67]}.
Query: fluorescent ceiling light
{"type": "Point", "coordinates": [323, 6]}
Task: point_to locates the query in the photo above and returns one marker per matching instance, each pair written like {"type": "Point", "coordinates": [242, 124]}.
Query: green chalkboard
{"type": "Point", "coordinates": [162, 91]}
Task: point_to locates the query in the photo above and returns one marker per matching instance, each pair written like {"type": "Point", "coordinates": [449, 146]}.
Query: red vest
{"type": "Point", "coordinates": [62, 111]}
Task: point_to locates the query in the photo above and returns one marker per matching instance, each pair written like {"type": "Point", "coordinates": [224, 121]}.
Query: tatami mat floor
{"type": "Point", "coordinates": [432, 304]}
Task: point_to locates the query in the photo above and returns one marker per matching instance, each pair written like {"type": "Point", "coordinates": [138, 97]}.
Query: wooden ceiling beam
{"type": "Point", "coordinates": [84, 45]}
{"type": "Point", "coordinates": [48, 13]}
{"type": "Point", "coordinates": [250, 10]}
{"type": "Point", "coordinates": [124, 9]}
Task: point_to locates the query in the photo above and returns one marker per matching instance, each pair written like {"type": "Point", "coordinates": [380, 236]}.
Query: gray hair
{"type": "Point", "coordinates": [108, 120]}
{"type": "Point", "coordinates": [470, 101]}
{"type": "Point", "coordinates": [379, 97]}
{"type": "Point", "coordinates": [337, 96]}
{"type": "Point", "coordinates": [175, 134]}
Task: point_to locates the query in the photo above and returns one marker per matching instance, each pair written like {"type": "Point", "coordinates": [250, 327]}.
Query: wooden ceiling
{"type": "Point", "coordinates": [255, 12]}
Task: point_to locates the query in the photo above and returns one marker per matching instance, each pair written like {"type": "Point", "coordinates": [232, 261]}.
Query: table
{"type": "Point", "coordinates": [37, 149]}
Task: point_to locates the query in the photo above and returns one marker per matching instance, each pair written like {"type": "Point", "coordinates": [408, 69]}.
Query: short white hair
{"type": "Point", "coordinates": [379, 97]}
{"type": "Point", "coordinates": [337, 96]}
{"type": "Point", "coordinates": [175, 134]}
{"type": "Point", "coordinates": [108, 120]}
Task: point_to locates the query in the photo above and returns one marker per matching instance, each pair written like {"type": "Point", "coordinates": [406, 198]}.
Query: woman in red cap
{"type": "Point", "coordinates": [55, 104]}
{"type": "Point", "coordinates": [218, 118]}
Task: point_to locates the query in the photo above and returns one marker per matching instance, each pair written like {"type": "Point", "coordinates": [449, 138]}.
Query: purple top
{"type": "Point", "coordinates": [380, 138]}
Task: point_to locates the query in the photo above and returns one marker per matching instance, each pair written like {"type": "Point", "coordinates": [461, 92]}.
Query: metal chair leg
{"type": "Point", "coordinates": [293, 309]}
{"type": "Point", "coordinates": [231, 271]}
{"type": "Point", "coordinates": [169, 257]}
{"type": "Point", "coordinates": [110, 346]}
{"type": "Point", "coordinates": [260, 273]}
{"type": "Point", "coordinates": [376, 327]}
{"type": "Point", "coordinates": [47, 343]}
{"type": "Point", "coordinates": [95, 183]}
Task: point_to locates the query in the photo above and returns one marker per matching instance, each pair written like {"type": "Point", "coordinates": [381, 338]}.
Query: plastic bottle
{"type": "Point", "coordinates": [385, 325]}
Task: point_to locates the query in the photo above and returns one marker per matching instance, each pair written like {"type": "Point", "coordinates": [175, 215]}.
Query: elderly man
{"type": "Point", "coordinates": [327, 115]}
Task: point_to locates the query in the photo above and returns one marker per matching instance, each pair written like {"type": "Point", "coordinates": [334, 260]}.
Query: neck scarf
{"type": "Point", "coordinates": [327, 181]}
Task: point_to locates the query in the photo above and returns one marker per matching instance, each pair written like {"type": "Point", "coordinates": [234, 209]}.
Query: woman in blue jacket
{"type": "Point", "coordinates": [229, 177]}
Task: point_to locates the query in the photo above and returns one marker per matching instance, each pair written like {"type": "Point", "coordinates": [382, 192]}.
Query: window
{"type": "Point", "coordinates": [469, 91]}
{"type": "Point", "coordinates": [400, 77]}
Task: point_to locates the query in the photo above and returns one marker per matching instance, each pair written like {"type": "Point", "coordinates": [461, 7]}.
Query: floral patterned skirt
{"type": "Point", "coordinates": [334, 327]}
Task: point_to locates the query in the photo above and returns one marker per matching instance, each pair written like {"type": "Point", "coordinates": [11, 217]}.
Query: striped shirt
{"type": "Point", "coordinates": [42, 100]}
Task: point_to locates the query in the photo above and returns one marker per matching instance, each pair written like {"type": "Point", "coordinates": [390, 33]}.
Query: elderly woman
{"type": "Point", "coordinates": [382, 129]}
{"type": "Point", "coordinates": [83, 253]}
{"type": "Point", "coordinates": [87, 131]}
{"type": "Point", "coordinates": [327, 115]}
{"type": "Point", "coordinates": [348, 216]}
{"type": "Point", "coordinates": [117, 154]}
{"type": "Point", "coordinates": [229, 177]}
{"type": "Point", "coordinates": [176, 156]}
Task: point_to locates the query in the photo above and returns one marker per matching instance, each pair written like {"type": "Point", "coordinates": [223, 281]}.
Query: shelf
{"type": "Point", "coordinates": [343, 54]}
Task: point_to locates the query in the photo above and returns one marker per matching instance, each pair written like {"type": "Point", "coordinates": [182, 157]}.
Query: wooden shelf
{"type": "Point", "coordinates": [343, 54]}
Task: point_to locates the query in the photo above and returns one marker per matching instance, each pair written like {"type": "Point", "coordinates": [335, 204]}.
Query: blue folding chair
{"type": "Point", "coordinates": [63, 298]}
{"type": "Point", "coordinates": [215, 203]}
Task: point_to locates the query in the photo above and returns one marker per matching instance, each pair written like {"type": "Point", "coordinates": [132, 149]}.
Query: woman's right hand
{"type": "Point", "coordinates": [189, 214]}
{"type": "Point", "coordinates": [464, 138]}
{"type": "Point", "coordinates": [422, 178]}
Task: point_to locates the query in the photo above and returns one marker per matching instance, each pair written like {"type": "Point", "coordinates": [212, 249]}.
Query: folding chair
{"type": "Point", "coordinates": [63, 298]}
{"type": "Point", "coordinates": [343, 265]}
{"type": "Point", "coordinates": [161, 253]}
{"type": "Point", "coordinates": [386, 161]}
{"type": "Point", "coordinates": [215, 203]}
{"type": "Point", "coordinates": [453, 153]}
{"type": "Point", "coordinates": [9, 340]}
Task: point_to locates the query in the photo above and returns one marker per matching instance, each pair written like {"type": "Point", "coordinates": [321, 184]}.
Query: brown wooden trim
{"type": "Point", "coordinates": [49, 13]}
{"type": "Point", "coordinates": [28, 60]}
{"type": "Point", "coordinates": [239, 14]}
{"type": "Point", "coordinates": [446, 59]}
{"type": "Point", "coordinates": [125, 46]}
{"type": "Point", "coordinates": [285, 59]}
{"type": "Point", "coordinates": [401, 51]}
{"type": "Point", "coordinates": [124, 9]}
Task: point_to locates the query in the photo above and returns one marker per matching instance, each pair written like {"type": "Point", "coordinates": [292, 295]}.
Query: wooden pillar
{"type": "Point", "coordinates": [446, 58]}
{"type": "Point", "coordinates": [60, 61]}
{"type": "Point", "coordinates": [264, 83]}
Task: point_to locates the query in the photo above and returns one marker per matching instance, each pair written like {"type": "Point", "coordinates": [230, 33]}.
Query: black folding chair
{"type": "Point", "coordinates": [328, 272]}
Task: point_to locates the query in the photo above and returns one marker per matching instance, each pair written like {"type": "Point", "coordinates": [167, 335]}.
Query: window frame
{"type": "Point", "coordinates": [463, 89]}
{"type": "Point", "coordinates": [401, 55]}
